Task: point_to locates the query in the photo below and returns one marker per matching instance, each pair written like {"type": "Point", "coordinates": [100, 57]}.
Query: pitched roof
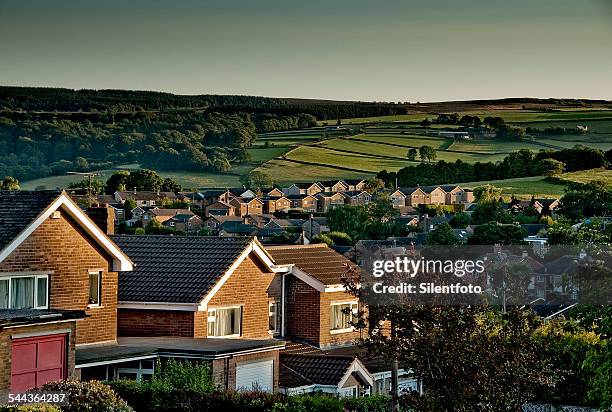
{"type": "Point", "coordinates": [18, 209]}
{"type": "Point", "coordinates": [170, 212]}
{"type": "Point", "coordinates": [298, 197]}
{"type": "Point", "coordinates": [317, 260]}
{"type": "Point", "coordinates": [352, 181]}
{"type": "Point", "coordinates": [21, 212]}
{"type": "Point", "coordinates": [239, 227]}
{"type": "Point", "coordinates": [301, 370]}
{"type": "Point", "coordinates": [176, 269]}
{"type": "Point", "coordinates": [146, 195]}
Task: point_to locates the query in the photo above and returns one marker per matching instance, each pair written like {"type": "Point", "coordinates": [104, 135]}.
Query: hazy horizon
{"type": "Point", "coordinates": [389, 50]}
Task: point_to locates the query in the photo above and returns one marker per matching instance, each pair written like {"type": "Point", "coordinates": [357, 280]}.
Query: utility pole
{"type": "Point", "coordinates": [394, 376]}
{"type": "Point", "coordinates": [90, 176]}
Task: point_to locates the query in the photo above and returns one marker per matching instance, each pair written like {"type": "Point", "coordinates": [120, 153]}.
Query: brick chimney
{"type": "Point", "coordinates": [103, 217]}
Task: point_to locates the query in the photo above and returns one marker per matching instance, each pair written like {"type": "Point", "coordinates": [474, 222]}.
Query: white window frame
{"type": "Point", "coordinates": [274, 313]}
{"type": "Point", "coordinates": [354, 305]}
{"type": "Point", "coordinates": [140, 371]}
{"type": "Point", "coordinates": [36, 276]}
{"type": "Point", "coordinates": [99, 273]}
{"type": "Point", "coordinates": [212, 319]}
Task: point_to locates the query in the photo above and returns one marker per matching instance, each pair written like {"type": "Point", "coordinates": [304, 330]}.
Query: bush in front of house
{"type": "Point", "coordinates": [39, 407]}
{"type": "Point", "coordinates": [377, 403]}
{"type": "Point", "coordinates": [88, 396]}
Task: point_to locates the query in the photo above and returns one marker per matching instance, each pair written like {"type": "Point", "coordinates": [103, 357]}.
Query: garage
{"type": "Point", "coordinates": [255, 375]}
{"type": "Point", "coordinates": [37, 360]}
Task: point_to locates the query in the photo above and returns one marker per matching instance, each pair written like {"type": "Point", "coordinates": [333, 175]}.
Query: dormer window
{"type": "Point", "coordinates": [24, 292]}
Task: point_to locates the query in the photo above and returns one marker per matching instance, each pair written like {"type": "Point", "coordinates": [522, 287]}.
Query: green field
{"type": "Point", "coordinates": [186, 179]}
{"type": "Point", "coordinates": [289, 172]}
{"type": "Point", "coordinates": [524, 187]}
{"type": "Point", "coordinates": [537, 186]}
{"type": "Point", "coordinates": [508, 115]}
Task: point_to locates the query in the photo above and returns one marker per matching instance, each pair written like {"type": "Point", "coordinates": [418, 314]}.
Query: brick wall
{"type": "Point", "coordinates": [326, 337]}
{"type": "Point", "coordinates": [302, 311]}
{"type": "Point", "coordinates": [61, 248]}
{"type": "Point", "coordinates": [224, 370]}
{"type": "Point", "coordinates": [6, 349]}
{"type": "Point", "coordinates": [143, 322]}
{"type": "Point", "coordinates": [249, 286]}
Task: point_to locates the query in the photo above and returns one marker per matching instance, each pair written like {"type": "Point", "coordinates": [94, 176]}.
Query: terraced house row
{"type": "Point", "coordinates": [78, 301]}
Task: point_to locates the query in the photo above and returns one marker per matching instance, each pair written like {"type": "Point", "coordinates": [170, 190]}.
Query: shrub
{"type": "Point", "coordinates": [185, 375]}
{"type": "Point", "coordinates": [376, 403]}
{"type": "Point", "coordinates": [39, 407]}
{"type": "Point", "coordinates": [88, 396]}
{"type": "Point", "coordinates": [322, 238]}
{"type": "Point", "coordinates": [340, 238]}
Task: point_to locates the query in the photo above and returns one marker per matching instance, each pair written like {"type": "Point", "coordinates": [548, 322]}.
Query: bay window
{"type": "Point", "coordinates": [341, 316]}
{"type": "Point", "coordinates": [24, 292]}
{"type": "Point", "coordinates": [225, 322]}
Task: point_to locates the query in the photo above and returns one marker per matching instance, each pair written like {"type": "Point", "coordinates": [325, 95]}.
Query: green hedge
{"type": "Point", "coordinates": [157, 397]}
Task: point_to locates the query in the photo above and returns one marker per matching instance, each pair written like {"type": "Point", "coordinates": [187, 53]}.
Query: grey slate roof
{"type": "Point", "coordinates": [18, 209]}
{"type": "Point", "coordinates": [300, 370]}
{"type": "Point", "coordinates": [177, 269]}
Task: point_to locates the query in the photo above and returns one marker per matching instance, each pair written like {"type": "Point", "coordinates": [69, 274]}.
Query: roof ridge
{"type": "Point", "coordinates": [310, 246]}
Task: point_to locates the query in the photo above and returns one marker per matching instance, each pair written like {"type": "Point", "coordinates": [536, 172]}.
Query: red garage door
{"type": "Point", "coordinates": [36, 361]}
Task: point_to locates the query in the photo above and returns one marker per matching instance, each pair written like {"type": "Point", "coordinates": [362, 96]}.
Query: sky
{"type": "Point", "coordinates": [371, 50]}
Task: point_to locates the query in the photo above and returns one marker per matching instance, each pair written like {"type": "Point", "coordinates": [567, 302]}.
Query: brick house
{"type": "Point", "coordinates": [58, 287]}
{"type": "Point", "coordinates": [398, 198]}
{"type": "Point", "coordinates": [274, 204]}
{"type": "Point", "coordinates": [357, 198]}
{"type": "Point", "coordinates": [303, 189]}
{"type": "Point", "coordinates": [274, 192]}
{"type": "Point", "coordinates": [354, 184]}
{"type": "Point", "coordinates": [220, 208]}
{"type": "Point", "coordinates": [146, 198]}
{"type": "Point", "coordinates": [243, 206]}
{"type": "Point", "coordinates": [161, 215]}
{"type": "Point", "coordinates": [211, 196]}
{"type": "Point", "coordinates": [209, 298]}
{"type": "Point", "coordinates": [333, 186]}
{"type": "Point", "coordinates": [329, 200]}
{"type": "Point", "coordinates": [414, 196]}
{"type": "Point", "coordinates": [315, 295]}
{"type": "Point", "coordinates": [304, 202]}
{"type": "Point", "coordinates": [184, 222]}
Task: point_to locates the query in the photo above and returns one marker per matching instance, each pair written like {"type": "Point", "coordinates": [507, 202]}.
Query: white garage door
{"type": "Point", "coordinates": [255, 376]}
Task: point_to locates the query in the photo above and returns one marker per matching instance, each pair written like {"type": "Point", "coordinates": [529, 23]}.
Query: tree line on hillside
{"type": "Point", "coordinates": [58, 99]}
{"type": "Point", "coordinates": [522, 163]}
{"type": "Point", "coordinates": [32, 147]}
{"type": "Point", "coordinates": [197, 141]}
